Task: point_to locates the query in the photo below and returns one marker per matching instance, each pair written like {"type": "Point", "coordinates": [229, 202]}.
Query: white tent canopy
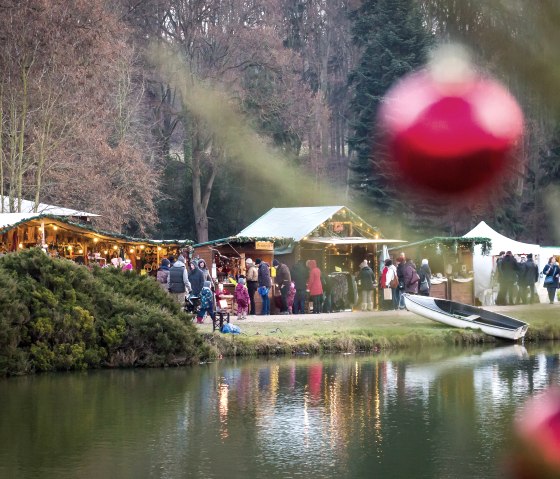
{"type": "Point", "coordinates": [501, 242]}
{"type": "Point", "coordinates": [483, 265]}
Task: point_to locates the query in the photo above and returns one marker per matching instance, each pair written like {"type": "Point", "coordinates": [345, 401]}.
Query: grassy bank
{"type": "Point", "coordinates": [351, 332]}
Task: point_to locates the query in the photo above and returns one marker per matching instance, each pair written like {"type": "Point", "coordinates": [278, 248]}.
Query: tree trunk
{"type": "Point", "coordinates": [201, 197]}
{"type": "Point", "coordinates": [1, 149]}
{"type": "Point", "coordinates": [21, 142]}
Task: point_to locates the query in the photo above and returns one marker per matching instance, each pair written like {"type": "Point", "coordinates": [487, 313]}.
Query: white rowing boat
{"type": "Point", "coordinates": [465, 316]}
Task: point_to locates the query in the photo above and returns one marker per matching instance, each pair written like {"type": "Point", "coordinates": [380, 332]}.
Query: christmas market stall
{"type": "Point", "coordinates": [334, 236]}
{"type": "Point", "coordinates": [226, 257]}
{"type": "Point", "coordinates": [79, 242]}
{"type": "Point", "coordinates": [451, 262]}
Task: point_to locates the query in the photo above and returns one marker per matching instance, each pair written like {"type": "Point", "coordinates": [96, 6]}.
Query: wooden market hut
{"type": "Point", "coordinates": [451, 263]}
{"type": "Point", "coordinates": [334, 236]}
{"type": "Point", "coordinates": [226, 257]}
{"type": "Point", "coordinates": [62, 237]}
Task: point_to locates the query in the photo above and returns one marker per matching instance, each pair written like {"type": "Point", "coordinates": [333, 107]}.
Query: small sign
{"type": "Point", "coordinates": [264, 245]}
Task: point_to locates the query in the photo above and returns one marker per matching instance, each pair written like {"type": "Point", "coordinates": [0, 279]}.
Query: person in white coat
{"type": "Point", "coordinates": [392, 281]}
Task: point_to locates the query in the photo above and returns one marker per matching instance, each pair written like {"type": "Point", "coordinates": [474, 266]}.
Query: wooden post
{"type": "Point", "coordinates": [376, 296]}
{"type": "Point", "coordinates": [242, 267]}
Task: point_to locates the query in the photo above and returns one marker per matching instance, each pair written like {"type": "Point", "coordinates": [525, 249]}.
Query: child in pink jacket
{"type": "Point", "coordinates": [241, 298]}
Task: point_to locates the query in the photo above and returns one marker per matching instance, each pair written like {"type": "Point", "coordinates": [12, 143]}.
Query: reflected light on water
{"type": "Point", "coordinates": [223, 391]}
{"type": "Point", "coordinates": [377, 409]}
{"type": "Point", "coordinates": [332, 417]}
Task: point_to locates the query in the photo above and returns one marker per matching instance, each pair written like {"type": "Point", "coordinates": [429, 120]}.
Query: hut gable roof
{"type": "Point", "coordinates": [295, 223]}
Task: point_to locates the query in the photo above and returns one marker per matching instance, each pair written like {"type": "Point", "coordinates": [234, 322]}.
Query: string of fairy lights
{"type": "Point", "coordinates": [68, 241]}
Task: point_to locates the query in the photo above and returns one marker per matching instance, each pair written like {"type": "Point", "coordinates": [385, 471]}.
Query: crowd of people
{"type": "Point", "coordinates": [305, 284]}
{"type": "Point", "coordinates": [295, 287]}
{"type": "Point", "coordinates": [404, 278]}
{"type": "Point", "coordinates": [516, 278]}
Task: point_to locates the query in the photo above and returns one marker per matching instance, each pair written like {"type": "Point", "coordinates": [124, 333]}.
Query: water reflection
{"type": "Point", "coordinates": [429, 414]}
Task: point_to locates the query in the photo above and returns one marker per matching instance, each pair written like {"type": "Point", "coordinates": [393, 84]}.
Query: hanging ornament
{"type": "Point", "coordinates": [449, 129]}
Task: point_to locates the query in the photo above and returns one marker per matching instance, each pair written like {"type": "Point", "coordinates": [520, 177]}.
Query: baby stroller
{"type": "Point", "coordinates": [192, 304]}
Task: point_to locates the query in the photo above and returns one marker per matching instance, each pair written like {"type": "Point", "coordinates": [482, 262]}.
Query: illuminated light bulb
{"type": "Point", "coordinates": [131, 250]}
{"type": "Point", "coordinates": [142, 246]}
{"type": "Point", "coordinates": [106, 252]}
{"type": "Point", "coordinates": [115, 247]}
{"type": "Point", "coordinates": [20, 245]}
{"type": "Point", "coordinates": [159, 248]}
{"type": "Point", "coordinates": [80, 251]}
{"type": "Point", "coordinates": [95, 240]}
{"type": "Point", "coordinates": [55, 227]}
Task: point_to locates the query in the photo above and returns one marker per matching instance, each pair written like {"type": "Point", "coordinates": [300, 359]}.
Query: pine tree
{"type": "Point", "coordinates": [393, 41]}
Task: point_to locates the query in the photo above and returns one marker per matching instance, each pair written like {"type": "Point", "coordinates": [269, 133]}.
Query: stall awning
{"type": "Point", "coordinates": [352, 240]}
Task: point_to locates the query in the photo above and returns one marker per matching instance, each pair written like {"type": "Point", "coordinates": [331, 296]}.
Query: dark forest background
{"type": "Point", "coordinates": [94, 116]}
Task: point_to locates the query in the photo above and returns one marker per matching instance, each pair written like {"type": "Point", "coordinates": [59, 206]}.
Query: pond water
{"type": "Point", "coordinates": [427, 414]}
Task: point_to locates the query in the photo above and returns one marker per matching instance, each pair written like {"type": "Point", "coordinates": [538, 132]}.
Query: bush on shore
{"type": "Point", "coordinates": [57, 315]}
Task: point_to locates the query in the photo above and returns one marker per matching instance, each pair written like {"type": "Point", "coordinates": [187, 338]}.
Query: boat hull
{"type": "Point", "coordinates": [464, 316]}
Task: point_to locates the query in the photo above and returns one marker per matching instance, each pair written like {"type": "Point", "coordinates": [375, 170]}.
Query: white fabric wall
{"type": "Point", "coordinates": [483, 265]}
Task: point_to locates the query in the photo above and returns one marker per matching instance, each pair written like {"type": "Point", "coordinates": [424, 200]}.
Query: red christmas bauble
{"type": "Point", "coordinates": [450, 137]}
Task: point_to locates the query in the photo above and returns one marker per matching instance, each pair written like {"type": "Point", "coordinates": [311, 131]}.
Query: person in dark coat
{"type": "Point", "coordinates": [401, 261]}
{"type": "Point", "coordinates": [205, 272]}
{"type": "Point", "coordinates": [411, 277]}
{"type": "Point", "coordinates": [163, 274]}
{"type": "Point", "coordinates": [196, 277]}
{"type": "Point", "coordinates": [300, 275]}
{"type": "Point", "coordinates": [425, 274]}
{"type": "Point", "coordinates": [283, 280]}
{"type": "Point", "coordinates": [500, 298]}
{"type": "Point", "coordinates": [531, 276]}
{"type": "Point", "coordinates": [328, 287]}
{"type": "Point", "coordinates": [367, 279]}
{"type": "Point", "coordinates": [508, 277]}
{"type": "Point", "coordinates": [522, 281]}
{"type": "Point", "coordinates": [264, 285]}
{"type": "Point", "coordinates": [551, 273]}
{"type": "Point", "coordinates": [178, 280]}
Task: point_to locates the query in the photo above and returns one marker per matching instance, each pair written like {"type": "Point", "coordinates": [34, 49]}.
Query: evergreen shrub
{"type": "Point", "coordinates": [57, 315]}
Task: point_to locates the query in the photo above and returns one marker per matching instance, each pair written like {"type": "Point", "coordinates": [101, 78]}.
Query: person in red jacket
{"type": "Point", "coordinates": [315, 286]}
